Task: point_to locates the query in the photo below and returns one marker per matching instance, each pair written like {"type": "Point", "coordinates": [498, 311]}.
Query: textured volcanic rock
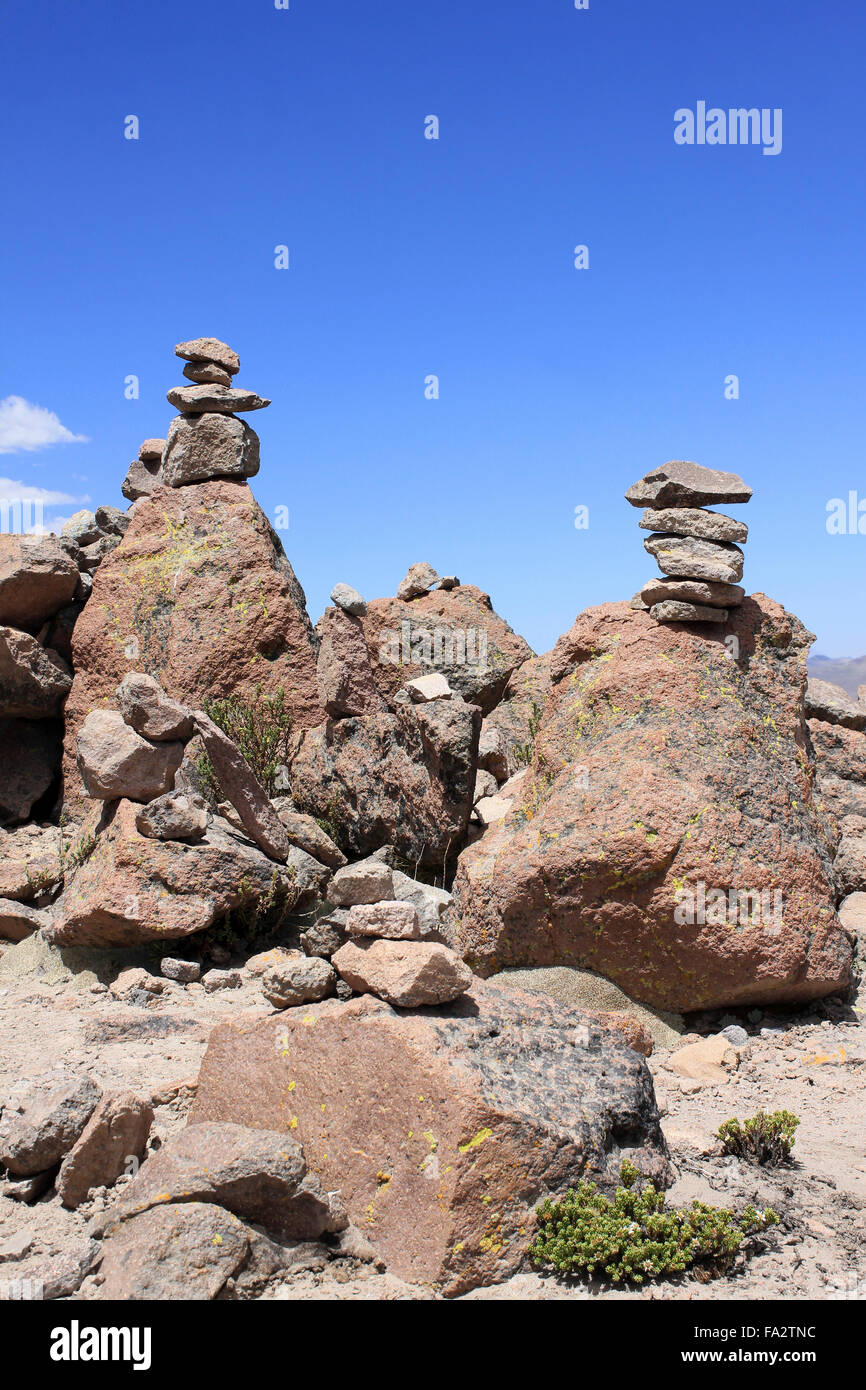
{"type": "Point", "coordinates": [833, 705]}
{"type": "Point", "coordinates": [115, 761]}
{"type": "Point", "coordinates": [307, 834]}
{"type": "Point", "coordinates": [517, 715]}
{"type": "Point", "coordinates": [345, 677]}
{"type": "Point", "coordinates": [255, 1174]}
{"type": "Point", "coordinates": [116, 1131]}
{"type": "Point", "coordinates": [30, 752]}
{"type": "Point", "coordinates": [675, 611]}
{"type": "Point", "coordinates": [172, 817]}
{"type": "Point", "coordinates": [147, 709]}
{"type": "Point", "coordinates": [243, 789]}
{"type": "Point", "coordinates": [207, 374]}
{"type": "Point", "coordinates": [210, 350]}
{"type": "Point", "coordinates": [199, 595]}
{"type": "Point", "coordinates": [840, 784]}
{"type": "Point", "coordinates": [443, 1128]}
{"type": "Point", "coordinates": [684, 484]}
{"type": "Point", "coordinates": [33, 679]}
{"type": "Point", "coordinates": [405, 973]}
{"type": "Point", "coordinates": [703, 591]}
{"type": "Point", "coordinates": [37, 578]}
{"type": "Point", "coordinates": [694, 521]}
{"type": "Point", "coordinates": [19, 920]}
{"type": "Point", "coordinates": [404, 779]}
{"type": "Point", "coordinates": [182, 1253]}
{"type": "Point", "coordinates": [42, 1119]}
{"type": "Point", "coordinates": [661, 764]}
{"type": "Point", "coordinates": [133, 889]}
{"type": "Point", "coordinates": [685, 558]}
{"type": "Point", "coordinates": [220, 400]}
{"type": "Point", "coordinates": [200, 447]}
{"type": "Point", "coordinates": [31, 860]}
{"type": "Point", "coordinates": [453, 631]}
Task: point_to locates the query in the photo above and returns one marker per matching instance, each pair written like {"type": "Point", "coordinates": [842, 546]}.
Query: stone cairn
{"type": "Point", "coordinates": [696, 550]}
{"type": "Point", "coordinates": [207, 440]}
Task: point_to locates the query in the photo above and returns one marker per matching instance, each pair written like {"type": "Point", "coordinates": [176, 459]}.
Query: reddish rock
{"type": "Point", "coordinates": [258, 1175]}
{"type": "Point", "coordinates": [19, 920]}
{"type": "Point", "coordinates": [517, 715]}
{"type": "Point", "coordinates": [243, 789]}
{"type": "Point", "coordinates": [307, 834]}
{"type": "Point", "coordinates": [394, 921]}
{"type": "Point", "coordinates": [42, 1119]}
{"type": "Point", "coordinates": [660, 765]}
{"type": "Point", "coordinates": [30, 861]}
{"type": "Point", "coordinates": [199, 595]}
{"type": "Point", "coordinates": [131, 889]}
{"type": "Point", "coordinates": [184, 1253]}
{"type": "Point", "coordinates": [115, 761]}
{"type": "Point", "coordinates": [33, 679]}
{"type": "Point", "coordinates": [115, 1133]}
{"type": "Point", "coordinates": [37, 578]}
{"type": "Point", "coordinates": [442, 1128]}
{"type": "Point", "coordinates": [345, 677]}
{"type": "Point", "coordinates": [407, 974]}
{"type": "Point", "coordinates": [452, 631]}
{"type": "Point", "coordinates": [404, 779]}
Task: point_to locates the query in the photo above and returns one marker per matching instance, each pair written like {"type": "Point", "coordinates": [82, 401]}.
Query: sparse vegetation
{"type": "Point", "coordinates": [524, 751]}
{"type": "Point", "coordinates": [765, 1139]}
{"type": "Point", "coordinates": [631, 1237]}
{"type": "Point", "coordinates": [261, 726]}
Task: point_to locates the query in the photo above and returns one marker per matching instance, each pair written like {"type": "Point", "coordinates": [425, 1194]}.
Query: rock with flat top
{"type": "Point", "coordinates": [367, 881]}
{"type": "Point", "coordinates": [37, 578]}
{"type": "Point", "coordinates": [706, 592]}
{"type": "Point", "coordinates": [298, 979]}
{"type": "Point", "coordinates": [694, 521]}
{"type": "Point", "coordinates": [207, 374]}
{"type": "Point", "coordinates": [404, 973]}
{"type": "Point", "coordinates": [418, 579]}
{"type": "Point", "coordinates": [115, 1134]}
{"type": "Point", "coordinates": [683, 557]}
{"type": "Point", "coordinates": [395, 921]}
{"type": "Point", "coordinates": [43, 1117]}
{"type": "Point", "coordinates": [833, 704]}
{"type": "Point", "coordinates": [210, 350]}
{"type": "Point", "coordinates": [432, 687]}
{"type": "Point", "coordinates": [675, 611]}
{"type": "Point", "coordinates": [172, 816]}
{"type": "Point", "coordinates": [684, 484]}
{"type": "Point", "coordinates": [200, 447]}
{"type": "Point", "coordinates": [218, 400]}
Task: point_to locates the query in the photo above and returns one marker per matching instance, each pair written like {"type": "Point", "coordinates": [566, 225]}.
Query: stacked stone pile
{"type": "Point", "coordinates": [379, 933]}
{"type": "Point", "coordinates": [698, 551]}
{"type": "Point", "coordinates": [206, 440]}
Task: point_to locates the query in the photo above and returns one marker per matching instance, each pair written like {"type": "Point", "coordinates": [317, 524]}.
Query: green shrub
{"type": "Point", "coordinates": [261, 726]}
{"type": "Point", "coordinates": [524, 751]}
{"type": "Point", "coordinates": [766, 1139]}
{"type": "Point", "coordinates": [632, 1237]}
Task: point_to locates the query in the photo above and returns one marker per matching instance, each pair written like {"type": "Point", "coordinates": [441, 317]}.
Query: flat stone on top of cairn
{"type": "Point", "coordinates": [695, 549]}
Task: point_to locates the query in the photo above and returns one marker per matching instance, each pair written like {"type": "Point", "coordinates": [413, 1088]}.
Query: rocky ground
{"type": "Point", "coordinates": [810, 1062]}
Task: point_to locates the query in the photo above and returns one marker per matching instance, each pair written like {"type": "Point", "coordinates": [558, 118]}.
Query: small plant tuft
{"type": "Point", "coordinates": [631, 1237]}
{"type": "Point", "coordinates": [765, 1139]}
{"type": "Point", "coordinates": [261, 726]}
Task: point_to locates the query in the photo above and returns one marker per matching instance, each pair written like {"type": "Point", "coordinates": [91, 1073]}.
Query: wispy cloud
{"type": "Point", "coordinates": [12, 492]}
{"type": "Point", "coordinates": [25, 427]}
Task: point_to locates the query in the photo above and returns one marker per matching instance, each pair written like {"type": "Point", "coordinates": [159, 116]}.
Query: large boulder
{"type": "Point", "coordinates": [665, 836]}
{"type": "Point", "coordinates": [452, 631]}
{"type": "Point", "coordinates": [199, 595]}
{"type": "Point", "coordinates": [37, 578]}
{"type": "Point", "coordinates": [115, 761]}
{"type": "Point", "coordinates": [132, 889]}
{"type": "Point", "coordinates": [34, 681]}
{"type": "Point", "coordinates": [404, 779]}
{"type": "Point", "coordinates": [442, 1128]}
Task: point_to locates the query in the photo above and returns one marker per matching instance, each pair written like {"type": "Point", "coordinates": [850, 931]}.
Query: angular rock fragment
{"type": "Point", "coordinates": [220, 400]}
{"type": "Point", "coordinates": [201, 447]}
{"type": "Point", "coordinates": [115, 1134]}
{"type": "Point", "coordinates": [833, 704]}
{"type": "Point", "coordinates": [700, 591]}
{"type": "Point", "coordinates": [684, 484]}
{"type": "Point", "coordinates": [675, 611]}
{"type": "Point", "coordinates": [367, 881]}
{"type": "Point", "coordinates": [394, 921]}
{"type": "Point", "coordinates": [210, 350]}
{"type": "Point", "coordinates": [42, 1119]}
{"type": "Point", "coordinates": [34, 681]}
{"type": "Point", "coordinates": [37, 578]}
{"type": "Point", "coordinates": [145, 706]}
{"type": "Point", "coordinates": [298, 979]}
{"type": "Point", "coordinates": [172, 816]}
{"type": "Point", "coordinates": [243, 789]}
{"type": "Point", "coordinates": [405, 973]}
{"type": "Point", "coordinates": [694, 521]}
{"type": "Point", "coordinates": [115, 761]}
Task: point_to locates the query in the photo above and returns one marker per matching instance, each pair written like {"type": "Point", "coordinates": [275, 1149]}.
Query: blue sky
{"type": "Point", "coordinates": [412, 257]}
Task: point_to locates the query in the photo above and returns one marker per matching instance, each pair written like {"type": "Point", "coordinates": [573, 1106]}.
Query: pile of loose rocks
{"type": "Point", "coordinates": [380, 932]}
{"type": "Point", "coordinates": [696, 549]}
{"type": "Point", "coordinates": [206, 440]}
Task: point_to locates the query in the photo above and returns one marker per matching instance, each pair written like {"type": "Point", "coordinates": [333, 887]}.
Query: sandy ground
{"type": "Point", "coordinates": [812, 1063]}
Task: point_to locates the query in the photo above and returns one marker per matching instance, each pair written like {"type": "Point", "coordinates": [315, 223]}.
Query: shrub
{"type": "Point", "coordinates": [261, 726]}
{"type": "Point", "coordinates": [632, 1237]}
{"type": "Point", "coordinates": [764, 1138]}
{"type": "Point", "coordinates": [524, 751]}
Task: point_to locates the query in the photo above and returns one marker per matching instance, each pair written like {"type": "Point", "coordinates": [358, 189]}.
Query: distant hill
{"type": "Point", "coordinates": [849, 671]}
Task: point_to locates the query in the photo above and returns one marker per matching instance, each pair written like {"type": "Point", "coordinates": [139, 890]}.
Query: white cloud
{"type": "Point", "coordinates": [11, 492]}
{"type": "Point", "coordinates": [25, 427]}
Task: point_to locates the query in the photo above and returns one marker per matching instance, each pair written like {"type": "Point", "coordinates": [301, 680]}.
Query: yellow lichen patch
{"type": "Point", "coordinates": [475, 1141]}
